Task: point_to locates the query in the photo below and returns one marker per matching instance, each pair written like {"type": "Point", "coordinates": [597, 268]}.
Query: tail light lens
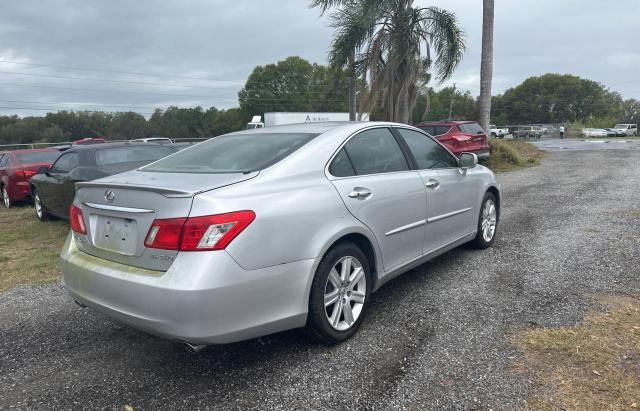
{"type": "Point", "coordinates": [165, 234]}
{"type": "Point", "coordinates": [205, 233]}
{"type": "Point", "coordinates": [77, 220]}
{"type": "Point", "coordinates": [25, 173]}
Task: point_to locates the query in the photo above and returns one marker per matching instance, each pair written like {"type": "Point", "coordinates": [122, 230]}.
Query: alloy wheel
{"type": "Point", "coordinates": [5, 197]}
{"type": "Point", "coordinates": [489, 220]}
{"type": "Point", "coordinates": [38, 205]}
{"type": "Point", "coordinates": [344, 293]}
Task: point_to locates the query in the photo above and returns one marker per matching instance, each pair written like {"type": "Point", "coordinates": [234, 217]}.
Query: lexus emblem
{"type": "Point", "coordinates": [109, 195]}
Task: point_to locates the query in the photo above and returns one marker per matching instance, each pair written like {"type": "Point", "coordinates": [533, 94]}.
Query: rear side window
{"type": "Point", "coordinates": [4, 158]}
{"type": "Point", "coordinates": [376, 151]}
{"type": "Point", "coordinates": [131, 154]}
{"type": "Point", "coordinates": [428, 153]}
{"type": "Point", "coordinates": [238, 153]}
{"type": "Point", "coordinates": [471, 128]}
{"type": "Point", "coordinates": [429, 129]}
{"type": "Point", "coordinates": [65, 163]}
{"type": "Point", "coordinates": [341, 165]}
{"type": "Point", "coordinates": [37, 157]}
{"type": "Point", "coordinates": [440, 130]}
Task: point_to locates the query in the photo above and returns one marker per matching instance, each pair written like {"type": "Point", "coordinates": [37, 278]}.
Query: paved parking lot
{"type": "Point", "coordinates": [436, 337]}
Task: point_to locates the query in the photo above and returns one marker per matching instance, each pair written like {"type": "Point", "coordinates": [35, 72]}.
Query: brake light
{"type": "Point", "coordinates": [205, 233]}
{"type": "Point", "coordinates": [165, 234]}
{"type": "Point", "coordinates": [25, 173]}
{"type": "Point", "coordinates": [77, 220]}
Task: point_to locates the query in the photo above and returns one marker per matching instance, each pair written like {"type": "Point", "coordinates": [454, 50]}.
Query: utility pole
{"type": "Point", "coordinates": [453, 96]}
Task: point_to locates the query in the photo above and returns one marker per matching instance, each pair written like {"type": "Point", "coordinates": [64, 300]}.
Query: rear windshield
{"type": "Point", "coordinates": [132, 154]}
{"type": "Point", "coordinates": [239, 153]}
{"type": "Point", "coordinates": [471, 128]}
{"type": "Point", "coordinates": [37, 157]}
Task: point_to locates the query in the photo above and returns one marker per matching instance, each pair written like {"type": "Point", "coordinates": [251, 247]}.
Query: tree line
{"type": "Point", "coordinates": [294, 84]}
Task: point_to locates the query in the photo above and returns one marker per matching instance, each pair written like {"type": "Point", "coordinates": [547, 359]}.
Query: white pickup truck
{"type": "Point", "coordinates": [497, 132]}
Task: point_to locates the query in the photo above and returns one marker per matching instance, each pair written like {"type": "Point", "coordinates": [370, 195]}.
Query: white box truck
{"type": "Point", "coordinates": [278, 119]}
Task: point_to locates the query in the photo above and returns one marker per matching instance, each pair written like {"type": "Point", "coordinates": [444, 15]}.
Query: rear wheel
{"type": "Point", "coordinates": [41, 211]}
{"type": "Point", "coordinates": [5, 197]}
{"type": "Point", "coordinates": [487, 222]}
{"type": "Point", "coordinates": [339, 294]}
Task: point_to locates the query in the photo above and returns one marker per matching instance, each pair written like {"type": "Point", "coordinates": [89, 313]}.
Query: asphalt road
{"type": "Point", "coordinates": [435, 338]}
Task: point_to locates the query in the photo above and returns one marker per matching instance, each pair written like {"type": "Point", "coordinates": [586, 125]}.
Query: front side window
{"type": "Point", "coordinates": [65, 163]}
{"type": "Point", "coordinates": [428, 153]}
{"type": "Point", "coordinates": [240, 153]}
{"type": "Point", "coordinates": [376, 151]}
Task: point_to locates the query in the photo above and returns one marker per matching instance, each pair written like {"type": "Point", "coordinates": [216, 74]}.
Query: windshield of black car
{"type": "Point", "coordinates": [130, 154]}
{"type": "Point", "coordinates": [37, 157]}
{"type": "Point", "coordinates": [238, 153]}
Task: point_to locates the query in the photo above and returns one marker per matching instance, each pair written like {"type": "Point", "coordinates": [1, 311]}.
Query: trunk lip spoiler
{"type": "Point", "coordinates": [167, 192]}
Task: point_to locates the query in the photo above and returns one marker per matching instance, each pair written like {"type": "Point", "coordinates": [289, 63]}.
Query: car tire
{"type": "Point", "coordinates": [41, 211]}
{"type": "Point", "coordinates": [343, 278]}
{"type": "Point", "coordinates": [6, 200]}
{"type": "Point", "coordinates": [487, 222]}
{"type": "Point", "coordinates": [493, 135]}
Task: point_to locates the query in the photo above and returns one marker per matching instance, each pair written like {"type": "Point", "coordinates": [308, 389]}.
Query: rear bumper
{"type": "Point", "coordinates": [204, 298]}
{"type": "Point", "coordinates": [19, 190]}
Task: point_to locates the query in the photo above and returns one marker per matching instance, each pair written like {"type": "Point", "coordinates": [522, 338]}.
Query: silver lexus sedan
{"type": "Point", "coordinates": [271, 229]}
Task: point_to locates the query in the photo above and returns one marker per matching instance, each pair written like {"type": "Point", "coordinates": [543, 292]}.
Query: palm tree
{"type": "Point", "coordinates": [398, 44]}
{"type": "Point", "coordinates": [486, 64]}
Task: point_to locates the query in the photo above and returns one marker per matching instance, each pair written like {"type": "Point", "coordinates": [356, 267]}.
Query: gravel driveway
{"type": "Point", "coordinates": [436, 337]}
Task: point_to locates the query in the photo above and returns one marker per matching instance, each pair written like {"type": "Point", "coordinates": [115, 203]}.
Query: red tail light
{"type": "Point", "coordinates": [165, 234]}
{"type": "Point", "coordinates": [206, 233]}
{"type": "Point", "coordinates": [77, 220]}
{"type": "Point", "coordinates": [25, 173]}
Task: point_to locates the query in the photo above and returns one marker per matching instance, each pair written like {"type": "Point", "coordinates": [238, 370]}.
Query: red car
{"type": "Point", "coordinates": [17, 167]}
{"type": "Point", "coordinates": [459, 136]}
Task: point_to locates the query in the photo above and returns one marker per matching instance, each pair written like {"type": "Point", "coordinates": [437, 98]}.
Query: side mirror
{"type": "Point", "coordinates": [467, 161]}
{"type": "Point", "coordinates": [43, 170]}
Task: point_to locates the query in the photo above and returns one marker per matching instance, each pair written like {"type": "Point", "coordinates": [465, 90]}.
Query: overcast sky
{"type": "Point", "coordinates": [123, 55]}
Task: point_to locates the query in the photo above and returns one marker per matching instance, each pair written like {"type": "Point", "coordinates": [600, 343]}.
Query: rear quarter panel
{"type": "Point", "coordinates": [297, 218]}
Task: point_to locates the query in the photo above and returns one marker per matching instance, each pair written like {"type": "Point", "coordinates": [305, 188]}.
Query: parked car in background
{"type": "Point", "coordinates": [597, 132]}
{"type": "Point", "coordinates": [495, 132]}
{"type": "Point", "coordinates": [53, 188]}
{"type": "Point", "coordinates": [17, 167]}
{"type": "Point", "coordinates": [157, 140]}
{"type": "Point", "coordinates": [527, 132]}
{"type": "Point", "coordinates": [627, 129]}
{"type": "Point", "coordinates": [614, 132]}
{"type": "Point", "coordinates": [459, 136]}
{"type": "Point", "coordinates": [212, 245]}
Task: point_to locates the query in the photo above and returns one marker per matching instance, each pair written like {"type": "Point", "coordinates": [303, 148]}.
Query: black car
{"type": "Point", "coordinates": [53, 188]}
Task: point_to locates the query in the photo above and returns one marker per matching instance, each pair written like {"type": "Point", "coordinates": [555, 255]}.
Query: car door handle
{"type": "Point", "coordinates": [359, 192]}
{"type": "Point", "coordinates": [433, 184]}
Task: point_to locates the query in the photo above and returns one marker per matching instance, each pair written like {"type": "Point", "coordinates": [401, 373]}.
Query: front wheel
{"type": "Point", "coordinates": [41, 211]}
{"type": "Point", "coordinates": [339, 294]}
{"type": "Point", "coordinates": [487, 222]}
{"type": "Point", "coordinates": [5, 197]}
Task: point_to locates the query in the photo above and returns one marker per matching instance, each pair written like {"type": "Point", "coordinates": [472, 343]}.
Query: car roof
{"type": "Point", "coordinates": [31, 150]}
{"type": "Point", "coordinates": [111, 145]}
{"type": "Point", "coordinates": [444, 123]}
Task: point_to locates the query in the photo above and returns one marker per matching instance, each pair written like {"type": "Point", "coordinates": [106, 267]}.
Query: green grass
{"type": "Point", "coordinates": [508, 155]}
{"type": "Point", "coordinates": [29, 249]}
{"type": "Point", "coordinates": [593, 365]}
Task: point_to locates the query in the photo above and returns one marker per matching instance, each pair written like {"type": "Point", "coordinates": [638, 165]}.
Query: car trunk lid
{"type": "Point", "coordinates": [119, 211]}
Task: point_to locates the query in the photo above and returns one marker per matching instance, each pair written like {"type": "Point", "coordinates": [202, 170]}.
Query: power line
{"type": "Point", "coordinates": [112, 71]}
{"type": "Point", "coordinates": [112, 81]}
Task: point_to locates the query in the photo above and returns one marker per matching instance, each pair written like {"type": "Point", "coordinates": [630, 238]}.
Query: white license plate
{"type": "Point", "coordinates": [116, 234]}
